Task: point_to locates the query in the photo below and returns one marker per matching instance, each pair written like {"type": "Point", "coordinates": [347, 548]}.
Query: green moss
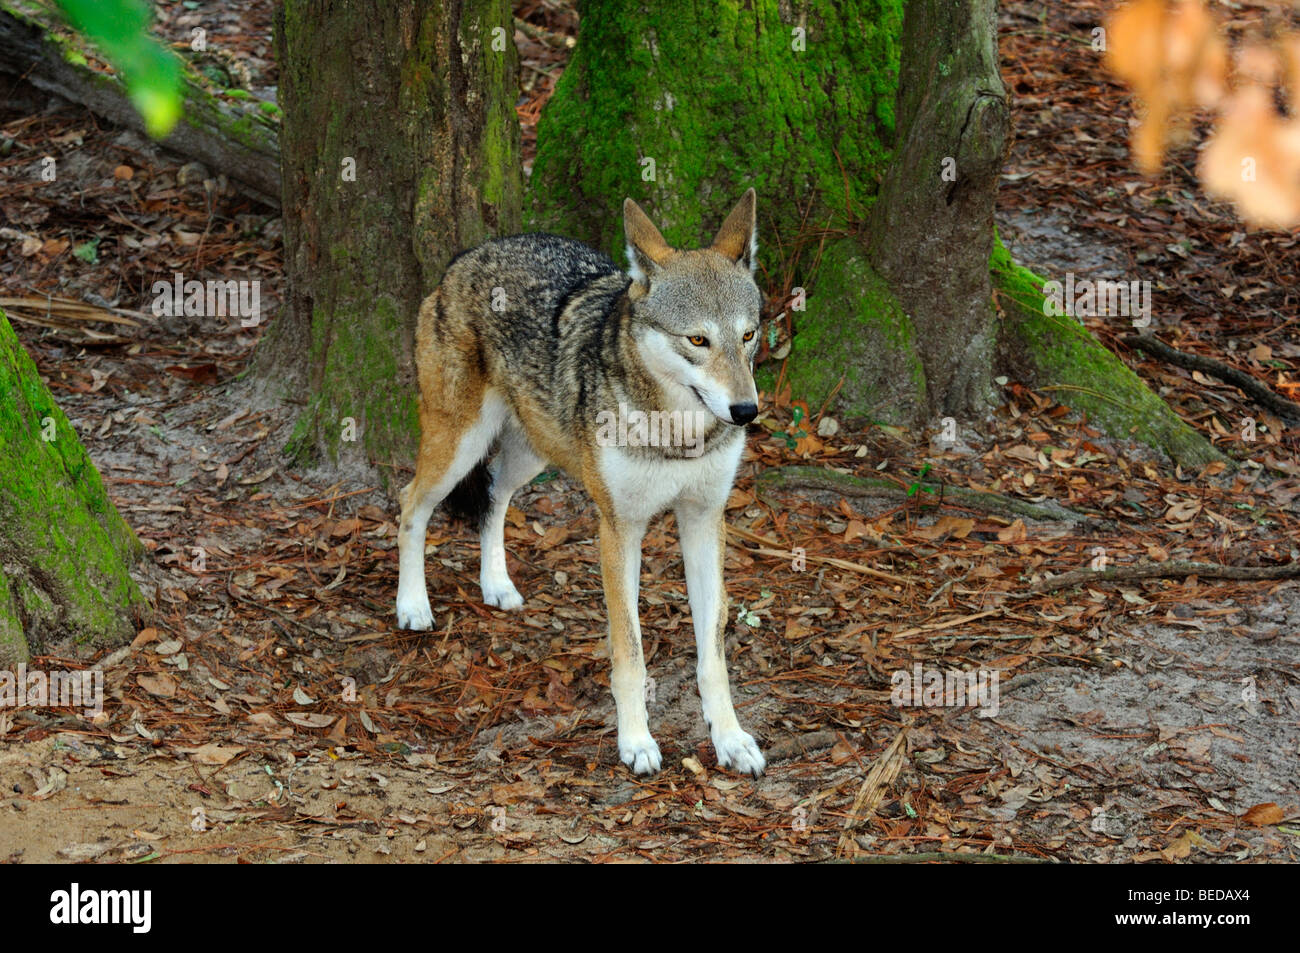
{"type": "Point", "coordinates": [13, 644]}
{"type": "Point", "coordinates": [717, 96]}
{"type": "Point", "coordinates": [1056, 353]}
{"type": "Point", "coordinates": [855, 329]}
{"type": "Point", "coordinates": [65, 547]}
{"type": "Point", "coordinates": [355, 381]}
{"type": "Point", "coordinates": [500, 142]}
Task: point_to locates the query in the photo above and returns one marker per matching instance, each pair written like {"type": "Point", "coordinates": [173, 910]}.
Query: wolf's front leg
{"type": "Point", "coordinates": [620, 571]}
{"type": "Point", "coordinates": [704, 535]}
{"type": "Point", "coordinates": [413, 610]}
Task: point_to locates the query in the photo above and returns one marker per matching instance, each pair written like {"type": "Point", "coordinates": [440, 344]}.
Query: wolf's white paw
{"type": "Point", "coordinates": [414, 613]}
{"type": "Point", "coordinates": [640, 753]}
{"type": "Point", "coordinates": [739, 751]}
{"type": "Point", "coordinates": [501, 593]}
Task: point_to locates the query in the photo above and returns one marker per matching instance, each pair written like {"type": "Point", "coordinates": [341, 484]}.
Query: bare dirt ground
{"type": "Point", "coordinates": [271, 712]}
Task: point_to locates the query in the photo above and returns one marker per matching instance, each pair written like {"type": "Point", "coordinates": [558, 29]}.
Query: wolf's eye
{"type": "Point", "coordinates": [749, 336]}
{"type": "Point", "coordinates": [699, 340]}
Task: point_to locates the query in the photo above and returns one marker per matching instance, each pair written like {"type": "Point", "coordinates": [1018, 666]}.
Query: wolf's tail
{"type": "Point", "coordinates": [470, 499]}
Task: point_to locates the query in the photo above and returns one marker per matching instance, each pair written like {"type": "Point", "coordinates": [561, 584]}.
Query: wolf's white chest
{"type": "Point", "coordinates": [642, 488]}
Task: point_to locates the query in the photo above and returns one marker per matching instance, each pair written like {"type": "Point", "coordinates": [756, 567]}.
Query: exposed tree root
{"type": "Point", "coordinates": [1262, 394]}
{"type": "Point", "coordinates": [1172, 569]}
{"type": "Point", "coordinates": [848, 484]}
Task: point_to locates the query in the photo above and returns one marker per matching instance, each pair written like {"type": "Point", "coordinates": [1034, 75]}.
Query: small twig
{"type": "Point", "coordinates": [544, 36]}
{"type": "Point", "coordinates": [801, 745]}
{"type": "Point", "coordinates": [881, 775]}
{"type": "Point", "coordinates": [1174, 568]}
{"type": "Point", "coordinates": [774, 547]}
{"type": "Point", "coordinates": [983, 638]}
{"type": "Point", "coordinates": [1092, 393]}
{"type": "Point", "coordinates": [1249, 385]}
{"type": "Point", "coordinates": [330, 499]}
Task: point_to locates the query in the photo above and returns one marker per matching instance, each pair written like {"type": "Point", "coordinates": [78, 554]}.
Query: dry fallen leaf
{"type": "Point", "coordinates": [213, 753]}
{"type": "Point", "coordinates": [160, 684]}
{"type": "Point", "coordinates": [57, 781]}
{"type": "Point", "coordinates": [1015, 533]}
{"type": "Point", "coordinates": [1264, 815]}
{"type": "Point", "coordinates": [146, 636]}
{"type": "Point", "coordinates": [956, 527]}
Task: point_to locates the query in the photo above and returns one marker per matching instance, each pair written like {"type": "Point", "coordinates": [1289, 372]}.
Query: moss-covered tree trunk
{"type": "Point", "coordinates": [684, 106]}
{"type": "Point", "coordinates": [64, 550]}
{"type": "Point", "coordinates": [874, 139]}
{"type": "Point", "coordinates": [399, 147]}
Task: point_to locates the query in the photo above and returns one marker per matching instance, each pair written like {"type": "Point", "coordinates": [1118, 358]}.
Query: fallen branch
{"type": "Point", "coordinates": [227, 137]}
{"type": "Point", "coordinates": [1172, 569]}
{"type": "Point", "coordinates": [1251, 386]}
{"type": "Point", "coordinates": [848, 484]}
{"type": "Point", "coordinates": [938, 857]}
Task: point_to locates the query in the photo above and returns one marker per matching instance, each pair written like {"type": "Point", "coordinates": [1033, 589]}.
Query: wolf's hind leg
{"type": "Point", "coordinates": [513, 466]}
{"type": "Point", "coordinates": [447, 454]}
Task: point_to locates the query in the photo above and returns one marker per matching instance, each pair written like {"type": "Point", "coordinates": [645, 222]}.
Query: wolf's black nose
{"type": "Point", "coordinates": [743, 413]}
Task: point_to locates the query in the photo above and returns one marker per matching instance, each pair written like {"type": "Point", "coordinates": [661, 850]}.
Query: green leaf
{"type": "Point", "coordinates": [89, 252]}
{"type": "Point", "coordinates": [120, 30]}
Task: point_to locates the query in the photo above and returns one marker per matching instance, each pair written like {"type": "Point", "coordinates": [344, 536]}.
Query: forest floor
{"type": "Point", "coordinates": [272, 712]}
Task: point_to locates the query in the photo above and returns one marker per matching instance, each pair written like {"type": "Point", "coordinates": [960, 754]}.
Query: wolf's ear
{"type": "Point", "coordinates": [738, 237]}
{"type": "Point", "coordinates": [646, 248]}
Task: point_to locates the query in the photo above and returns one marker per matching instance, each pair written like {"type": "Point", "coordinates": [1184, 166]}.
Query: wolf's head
{"type": "Point", "coordinates": [696, 312]}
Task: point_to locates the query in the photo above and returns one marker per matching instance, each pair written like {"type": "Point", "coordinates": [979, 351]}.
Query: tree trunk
{"type": "Point", "coordinates": [64, 550]}
{"type": "Point", "coordinates": [400, 148]}
{"type": "Point", "coordinates": [932, 226]}
{"type": "Point", "coordinates": [876, 187]}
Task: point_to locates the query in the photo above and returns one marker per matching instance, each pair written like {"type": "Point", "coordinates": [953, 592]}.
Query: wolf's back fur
{"type": "Point", "coordinates": [540, 306]}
